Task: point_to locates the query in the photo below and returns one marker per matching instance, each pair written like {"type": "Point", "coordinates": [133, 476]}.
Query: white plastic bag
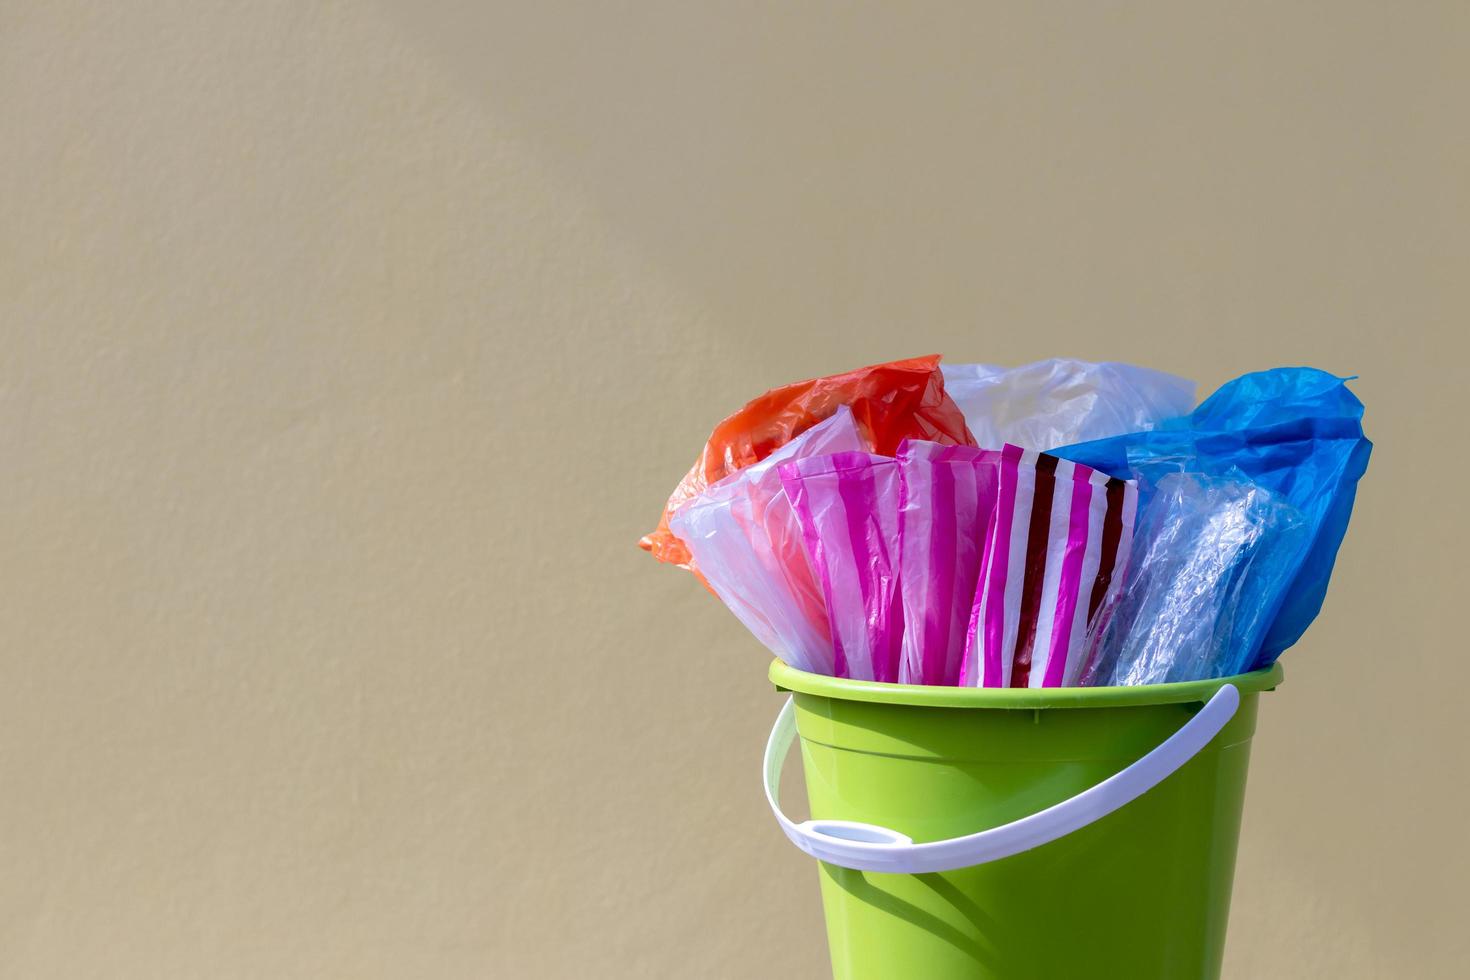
{"type": "Point", "coordinates": [747, 544]}
{"type": "Point", "coordinates": [1061, 401]}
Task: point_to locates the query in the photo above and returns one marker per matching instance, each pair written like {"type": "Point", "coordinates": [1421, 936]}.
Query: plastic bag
{"type": "Point", "coordinates": [1296, 432]}
{"type": "Point", "coordinates": [1056, 547]}
{"type": "Point", "coordinates": [847, 505]}
{"type": "Point", "coordinates": [747, 542]}
{"type": "Point", "coordinates": [890, 403]}
{"type": "Point", "coordinates": [1210, 554]}
{"type": "Point", "coordinates": [1063, 401]}
{"type": "Point", "coordinates": [947, 497]}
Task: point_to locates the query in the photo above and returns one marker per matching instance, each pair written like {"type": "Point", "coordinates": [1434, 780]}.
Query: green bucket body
{"type": "Point", "coordinates": [1142, 893]}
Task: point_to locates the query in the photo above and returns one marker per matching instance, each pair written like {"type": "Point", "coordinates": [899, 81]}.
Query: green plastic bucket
{"type": "Point", "coordinates": [1062, 833]}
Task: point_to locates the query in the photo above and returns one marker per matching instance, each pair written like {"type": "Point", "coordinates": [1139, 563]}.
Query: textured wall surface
{"type": "Point", "coordinates": [348, 348]}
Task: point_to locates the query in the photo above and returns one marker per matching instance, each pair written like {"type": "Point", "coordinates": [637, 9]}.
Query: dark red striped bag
{"type": "Point", "coordinates": [1056, 549]}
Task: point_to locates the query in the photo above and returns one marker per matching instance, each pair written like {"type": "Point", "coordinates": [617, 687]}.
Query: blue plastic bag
{"type": "Point", "coordinates": [1296, 432]}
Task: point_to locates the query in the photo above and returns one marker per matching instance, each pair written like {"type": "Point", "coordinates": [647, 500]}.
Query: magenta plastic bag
{"type": "Point", "coordinates": [947, 497]}
{"type": "Point", "coordinates": [847, 506]}
{"type": "Point", "coordinates": [1056, 550]}
{"type": "Point", "coordinates": [748, 545]}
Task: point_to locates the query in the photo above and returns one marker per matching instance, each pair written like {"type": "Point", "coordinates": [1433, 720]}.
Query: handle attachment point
{"type": "Point", "coordinates": [852, 830]}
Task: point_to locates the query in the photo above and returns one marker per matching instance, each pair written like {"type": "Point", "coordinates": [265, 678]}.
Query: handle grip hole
{"type": "Point", "coordinates": [863, 833]}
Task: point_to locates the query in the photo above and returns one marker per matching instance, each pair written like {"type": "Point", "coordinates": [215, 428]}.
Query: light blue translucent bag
{"type": "Point", "coordinates": [1298, 433]}
{"type": "Point", "coordinates": [1211, 558]}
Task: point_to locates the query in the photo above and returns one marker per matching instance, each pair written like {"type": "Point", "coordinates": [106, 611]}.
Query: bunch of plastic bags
{"type": "Point", "coordinates": [1056, 524]}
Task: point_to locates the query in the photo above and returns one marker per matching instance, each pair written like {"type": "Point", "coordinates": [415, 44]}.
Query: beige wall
{"type": "Point", "coordinates": [347, 349]}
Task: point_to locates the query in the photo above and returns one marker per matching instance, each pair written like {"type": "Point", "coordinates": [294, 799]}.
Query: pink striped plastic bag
{"type": "Point", "coordinates": [847, 506]}
{"type": "Point", "coordinates": [1056, 551]}
{"type": "Point", "coordinates": [747, 544]}
{"type": "Point", "coordinates": [947, 497]}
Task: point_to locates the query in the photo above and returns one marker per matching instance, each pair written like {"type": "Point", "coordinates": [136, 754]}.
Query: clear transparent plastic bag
{"type": "Point", "coordinates": [1212, 556]}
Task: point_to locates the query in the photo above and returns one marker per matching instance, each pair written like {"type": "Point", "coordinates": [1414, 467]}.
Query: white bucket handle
{"type": "Point", "coordinates": [868, 847]}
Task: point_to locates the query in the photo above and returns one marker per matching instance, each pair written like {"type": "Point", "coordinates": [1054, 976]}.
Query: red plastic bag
{"type": "Point", "coordinates": [890, 403]}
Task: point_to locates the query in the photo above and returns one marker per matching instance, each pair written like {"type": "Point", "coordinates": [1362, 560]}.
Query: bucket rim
{"type": "Point", "coordinates": [788, 678]}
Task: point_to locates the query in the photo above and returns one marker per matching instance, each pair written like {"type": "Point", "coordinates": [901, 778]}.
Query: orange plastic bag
{"type": "Point", "coordinates": [890, 403]}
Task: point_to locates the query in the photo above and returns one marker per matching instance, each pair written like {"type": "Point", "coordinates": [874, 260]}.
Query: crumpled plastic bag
{"type": "Point", "coordinates": [1211, 559]}
{"type": "Point", "coordinates": [1062, 401]}
{"type": "Point", "coordinates": [890, 403]}
{"type": "Point", "coordinates": [847, 505]}
{"type": "Point", "coordinates": [947, 497]}
{"type": "Point", "coordinates": [747, 542]}
{"type": "Point", "coordinates": [1056, 548]}
{"type": "Point", "coordinates": [1296, 432]}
